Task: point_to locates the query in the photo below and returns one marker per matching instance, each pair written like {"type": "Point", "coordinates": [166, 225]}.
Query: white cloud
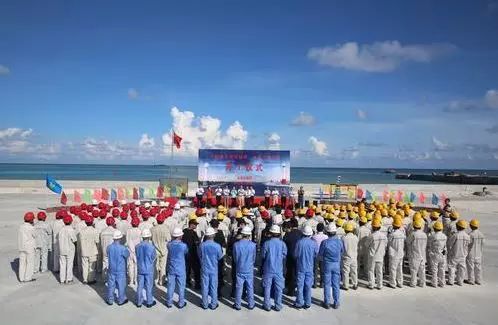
{"type": "Point", "coordinates": [362, 115]}
{"type": "Point", "coordinates": [440, 145]}
{"type": "Point", "coordinates": [491, 98]}
{"type": "Point", "coordinates": [104, 150]}
{"type": "Point", "coordinates": [4, 70]}
{"type": "Point", "coordinates": [376, 57]}
{"type": "Point", "coordinates": [273, 141]}
{"type": "Point", "coordinates": [318, 147]}
{"type": "Point", "coordinates": [146, 142]}
{"type": "Point", "coordinates": [203, 132]}
{"type": "Point", "coordinates": [16, 140]}
{"type": "Point", "coordinates": [303, 119]}
{"type": "Point", "coordinates": [15, 132]}
{"type": "Point", "coordinates": [133, 94]}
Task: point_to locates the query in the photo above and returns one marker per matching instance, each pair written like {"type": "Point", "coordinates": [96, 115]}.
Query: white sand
{"type": "Point", "coordinates": [47, 302]}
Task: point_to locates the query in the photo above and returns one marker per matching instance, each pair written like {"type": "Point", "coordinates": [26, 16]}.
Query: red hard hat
{"type": "Point", "coordinates": [161, 218]}
{"type": "Point", "coordinates": [134, 213]}
{"type": "Point", "coordinates": [115, 203]}
{"type": "Point", "coordinates": [102, 214]}
{"type": "Point", "coordinates": [115, 213]}
{"type": "Point", "coordinates": [168, 213]}
{"type": "Point", "coordinates": [101, 205]}
{"type": "Point", "coordinates": [265, 215]}
{"type": "Point", "coordinates": [135, 222]}
{"type": "Point", "coordinates": [310, 213]}
{"type": "Point", "coordinates": [29, 217]}
{"type": "Point", "coordinates": [73, 210]}
{"type": "Point", "coordinates": [132, 206]}
{"type": "Point", "coordinates": [126, 208]}
{"type": "Point", "coordinates": [83, 215]}
{"type": "Point", "coordinates": [95, 213]}
{"type": "Point", "coordinates": [110, 221]}
{"type": "Point", "coordinates": [288, 213]}
{"type": "Point", "coordinates": [67, 219]}
{"type": "Point", "coordinates": [199, 212]}
{"type": "Point", "coordinates": [89, 220]}
{"type": "Point", "coordinates": [123, 215]}
{"type": "Point", "coordinates": [41, 215]}
{"type": "Point", "coordinates": [83, 206]}
{"type": "Point", "coordinates": [145, 215]}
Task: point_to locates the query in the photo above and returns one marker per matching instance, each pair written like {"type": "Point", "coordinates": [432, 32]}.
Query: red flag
{"type": "Point", "coordinates": [135, 193]}
{"type": "Point", "coordinates": [359, 193]}
{"type": "Point", "coordinates": [63, 198]}
{"type": "Point", "coordinates": [76, 197]}
{"type": "Point", "coordinates": [177, 140]}
{"type": "Point", "coordinates": [105, 194]}
{"type": "Point", "coordinates": [97, 194]}
{"type": "Point", "coordinates": [160, 191]}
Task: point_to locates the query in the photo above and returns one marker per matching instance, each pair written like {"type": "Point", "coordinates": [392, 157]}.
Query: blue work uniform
{"type": "Point", "coordinates": [273, 255]}
{"type": "Point", "coordinates": [117, 255]}
{"type": "Point", "coordinates": [330, 254]}
{"type": "Point", "coordinates": [210, 253]}
{"type": "Point", "coordinates": [244, 254]}
{"type": "Point", "coordinates": [146, 254]}
{"type": "Point", "coordinates": [177, 253]}
{"type": "Point", "coordinates": [304, 253]}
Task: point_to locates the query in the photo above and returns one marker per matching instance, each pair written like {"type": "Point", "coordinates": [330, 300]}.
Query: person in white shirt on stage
{"type": "Point", "coordinates": [226, 196]}
{"type": "Point", "coordinates": [241, 195]}
{"type": "Point", "coordinates": [218, 193]}
{"type": "Point", "coordinates": [275, 197]}
{"type": "Point", "coordinates": [267, 194]}
{"type": "Point", "coordinates": [199, 193]}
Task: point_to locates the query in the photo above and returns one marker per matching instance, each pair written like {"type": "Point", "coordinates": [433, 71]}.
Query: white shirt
{"type": "Point", "coordinates": [267, 193]}
{"type": "Point", "coordinates": [219, 192]}
{"type": "Point", "coordinates": [226, 192]}
{"type": "Point", "coordinates": [241, 192]}
{"type": "Point", "coordinates": [200, 191]}
{"type": "Point", "coordinates": [274, 193]}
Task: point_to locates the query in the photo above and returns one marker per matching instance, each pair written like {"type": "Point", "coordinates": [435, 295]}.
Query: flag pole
{"type": "Point", "coordinates": [171, 157]}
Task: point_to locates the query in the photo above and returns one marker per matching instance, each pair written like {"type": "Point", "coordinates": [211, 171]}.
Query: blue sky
{"type": "Point", "coordinates": [339, 83]}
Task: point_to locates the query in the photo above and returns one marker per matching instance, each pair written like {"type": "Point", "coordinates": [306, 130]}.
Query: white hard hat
{"type": "Point", "coordinates": [210, 231]}
{"type": "Point", "coordinates": [246, 231]}
{"type": "Point", "coordinates": [123, 202]}
{"type": "Point", "coordinates": [117, 235]}
{"type": "Point", "coordinates": [307, 231]}
{"type": "Point", "coordinates": [146, 233]}
{"type": "Point", "coordinates": [177, 232]}
{"type": "Point", "coordinates": [275, 229]}
{"type": "Point", "coordinates": [154, 203]}
{"type": "Point", "coordinates": [183, 204]}
{"type": "Point", "coordinates": [147, 205]}
{"type": "Point", "coordinates": [94, 202]}
{"type": "Point", "coordinates": [162, 204]}
{"type": "Point", "coordinates": [331, 228]}
{"type": "Point", "coordinates": [177, 206]}
{"type": "Point", "coordinates": [137, 202]}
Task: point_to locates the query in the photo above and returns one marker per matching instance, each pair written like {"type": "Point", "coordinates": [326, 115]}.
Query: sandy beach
{"type": "Point", "coordinates": [47, 302]}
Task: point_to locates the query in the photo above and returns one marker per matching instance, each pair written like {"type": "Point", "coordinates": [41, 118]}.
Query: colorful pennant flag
{"type": "Point", "coordinates": [151, 192]}
{"type": "Point", "coordinates": [63, 198]}
{"type": "Point", "coordinates": [177, 140]}
{"type": "Point", "coordinates": [359, 193]}
{"type": "Point", "coordinates": [105, 194]}
{"type": "Point", "coordinates": [87, 196]}
{"type": "Point", "coordinates": [368, 195]}
{"type": "Point", "coordinates": [128, 193]}
{"type": "Point", "coordinates": [114, 194]}
{"type": "Point", "coordinates": [97, 194]}
{"type": "Point", "coordinates": [435, 199]}
{"type": "Point", "coordinates": [53, 185]}
{"type": "Point", "coordinates": [160, 191]}
{"type": "Point", "coordinates": [76, 196]}
{"type": "Point", "coordinates": [443, 197]}
{"type": "Point", "coordinates": [413, 197]}
{"type": "Point", "coordinates": [121, 193]}
{"type": "Point", "coordinates": [141, 192]}
{"type": "Point", "coordinates": [406, 197]}
{"type": "Point", "coordinates": [135, 193]}
{"type": "Point", "coordinates": [385, 196]}
{"type": "Point", "coordinates": [421, 197]}
{"type": "Point", "coordinates": [399, 196]}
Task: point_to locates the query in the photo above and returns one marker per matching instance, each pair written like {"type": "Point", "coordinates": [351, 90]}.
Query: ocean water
{"type": "Point", "coordinates": [154, 172]}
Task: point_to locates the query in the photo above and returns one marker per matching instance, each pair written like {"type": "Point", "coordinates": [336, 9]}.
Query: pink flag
{"type": "Point", "coordinates": [121, 193]}
{"type": "Point", "coordinates": [76, 196]}
{"type": "Point", "coordinates": [97, 194]}
{"type": "Point", "coordinates": [399, 196]}
{"type": "Point", "coordinates": [359, 193]}
{"type": "Point", "coordinates": [443, 197]}
{"type": "Point", "coordinates": [385, 196]}
{"type": "Point", "coordinates": [421, 197]}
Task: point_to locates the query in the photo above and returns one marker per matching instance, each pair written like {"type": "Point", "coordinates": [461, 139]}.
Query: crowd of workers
{"type": "Point", "coordinates": [292, 250]}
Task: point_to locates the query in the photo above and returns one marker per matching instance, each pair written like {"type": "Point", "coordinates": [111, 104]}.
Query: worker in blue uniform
{"type": "Point", "coordinates": [210, 253]}
{"type": "Point", "coordinates": [304, 254]}
{"type": "Point", "coordinates": [244, 253]}
{"type": "Point", "coordinates": [330, 254]}
{"type": "Point", "coordinates": [117, 255]}
{"type": "Point", "coordinates": [177, 254]}
{"type": "Point", "coordinates": [273, 254]}
{"type": "Point", "coordinates": [146, 255]}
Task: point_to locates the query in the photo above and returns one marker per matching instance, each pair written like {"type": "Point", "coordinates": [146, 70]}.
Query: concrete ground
{"type": "Point", "coordinates": [47, 302]}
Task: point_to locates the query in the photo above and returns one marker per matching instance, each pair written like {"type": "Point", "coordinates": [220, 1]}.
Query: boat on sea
{"type": "Point", "coordinates": [452, 177]}
{"type": "Point", "coordinates": [390, 171]}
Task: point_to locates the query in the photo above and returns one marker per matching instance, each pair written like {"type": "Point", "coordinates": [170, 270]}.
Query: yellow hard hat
{"type": "Point", "coordinates": [392, 213]}
{"type": "Point", "coordinates": [417, 215]}
{"type": "Point", "coordinates": [318, 210]}
{"type": "Point", "coordinates": [462, 224]}
{"type": "Point", "coordinates": [434, 215]}
{"type": "Point", "coordinates": [417, 224]}
{"type": "Point", "coordinates": [454, 215]}
{"type": "Point", "coordinates": [376, 223]}
{"type": "Point", "coordinates": [221, 208]}
{"type": "Point", "coordinates": [369, 216]}
{"type": "Point", "coordinates": [221, 216]}
{"type": "Point", "coordinates": [474, 223]}
{"type": "Point", "coordinates": [424, 213]}
{"type": "Point", "coordinates": [384, 213]}
{"type": "Point", "coordinates": [402, 213]}
{"type": "Point", "coordinates": [363, 213]}
{"type": "Point", "coordinates": [397, 223]}
{"type": "Point", "coordinates": [363, 220]}
{"type": "Point", "coordinates": [238, 214]}
{"type": "Point", "coordinates": [342, 215]}
{"type": "Point", "coordinates": [339, 222]}
{"type": "Point", "coordinates": [392, 201]}
{"type": "Point", "coordinates": [349, 227]}
{"type": "Point", "coordinates": [438, 225]}
{"type": "Point", "coordinates": [192, 216]}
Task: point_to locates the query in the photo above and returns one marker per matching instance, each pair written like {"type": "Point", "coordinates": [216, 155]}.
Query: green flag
{"type": "Point", "coordinates": [87, 196]}
{"type": "Point", "coordinates": [151, 192]}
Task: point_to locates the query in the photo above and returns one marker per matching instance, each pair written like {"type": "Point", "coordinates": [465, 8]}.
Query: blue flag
{"type": "Point", "coordinates": [368, 195]}
{"type": "Point", "coordinates": [413, 197]}
{"type": "Point", "coordinates": [53, 185]}
{"type": "Point", "coordinates": [141, 192]}
{"type": "Point", "coordinates": [435, 199]}
{"type": "Point", "coordinates": [114, 195]}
